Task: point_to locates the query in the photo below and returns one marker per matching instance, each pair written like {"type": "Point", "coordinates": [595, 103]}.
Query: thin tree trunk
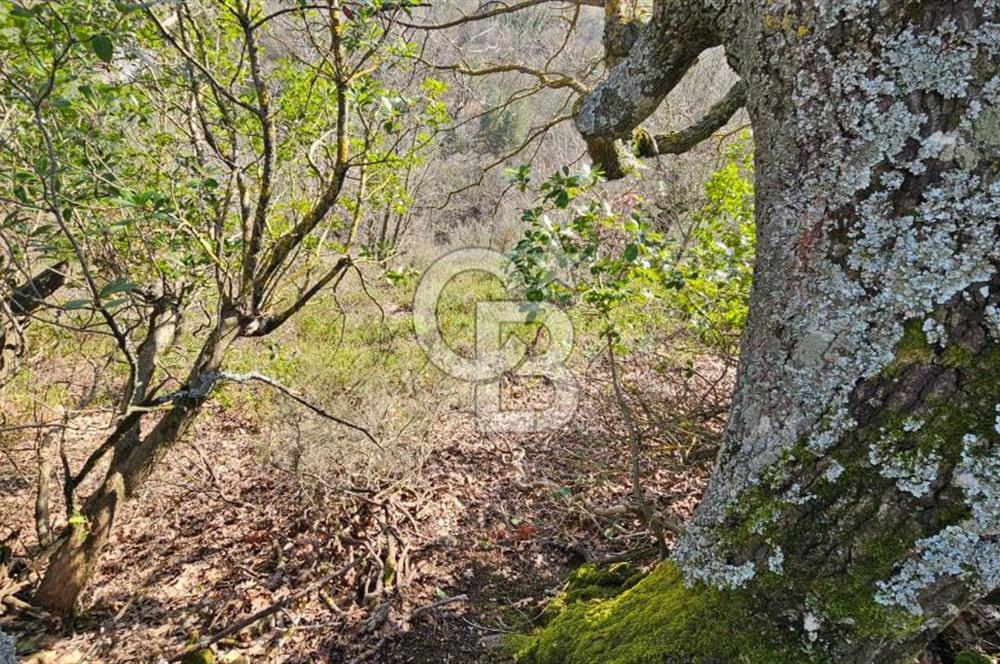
{"type": "Point", "coordinates": [43, 462]}
{"type": "Point", "coordinates": [649, 517]}
{"type": "Point", "coordinates": [84, 538]}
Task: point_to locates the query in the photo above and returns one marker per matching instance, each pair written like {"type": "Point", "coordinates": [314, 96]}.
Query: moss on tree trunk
{"type": "Point", "coordinates": [659, 619]}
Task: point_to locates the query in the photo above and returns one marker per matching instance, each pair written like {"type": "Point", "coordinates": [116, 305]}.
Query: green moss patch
{"type": "Point", "coordinates": [590, 582]}
{"type": "Point", "coordinates": [657, 620]}
{"type": "Point", "coordinates": [967, 657]}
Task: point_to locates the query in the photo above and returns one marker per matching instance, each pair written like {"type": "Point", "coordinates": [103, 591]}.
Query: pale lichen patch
{"type": "Point", "coordinates": [914, 471]}
{"type": "Point", "coordinates": [993, 320]}
{"type": "Point", "coordinates": [776, 561]}
{"type": "Point", "coordinates": [834, 471]}
{"type": "Point", "coordinates": [968, 550]}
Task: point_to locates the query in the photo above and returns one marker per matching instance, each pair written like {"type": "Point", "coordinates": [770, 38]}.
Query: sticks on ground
{"type": "Point", "coordinates": [266, 611]}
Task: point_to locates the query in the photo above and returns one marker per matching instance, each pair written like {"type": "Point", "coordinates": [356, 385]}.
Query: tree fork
{"type": "Point", "coordinates": [82, 541]}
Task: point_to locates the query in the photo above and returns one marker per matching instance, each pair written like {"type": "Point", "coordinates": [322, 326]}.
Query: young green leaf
{"type": "Point", "coordinates": [77, 304]}
{"type": "Point", "coordinates": [117, 286]}
{"type": "Point", "coordinates": [102, 47]}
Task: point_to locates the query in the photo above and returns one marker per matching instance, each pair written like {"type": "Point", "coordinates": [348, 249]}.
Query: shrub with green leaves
{"type": "Point", "coordinates": [577, 250]}
{"type": "Point", "coordinates": [204, 169]}
{"type": "Point", "coordinates": [715, 259]}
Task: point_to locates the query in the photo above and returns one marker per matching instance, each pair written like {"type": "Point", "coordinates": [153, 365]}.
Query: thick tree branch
{"type": "Point", "coordinates": [15, 309]}
{"type": "Point", "coordinates": [667, 48]}
{"type": "Point", "coordinates": [621, 29]}
{"type": "Point", "coordinates": [267, 132]}
{"type": "Point", "coordinates": [286, 243]}
{"type": "Point", "coordinates": [124, 426]}
{"type": "Point", "coordinates": [284, 246]}
{"type": "Point", "coordinates": [30, 295]}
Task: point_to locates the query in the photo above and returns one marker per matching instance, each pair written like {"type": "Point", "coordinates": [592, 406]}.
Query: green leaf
{"type": "Point", "coordinates": [77, 304]}
{"type": "Point", "coordinates": [117, 286]}
{"type": "Point", "coordinates": [631, 252]}
{"type": "Point", "coordinates": [562, 492]}
{"type": "Point", "coordinates": [102, 47]}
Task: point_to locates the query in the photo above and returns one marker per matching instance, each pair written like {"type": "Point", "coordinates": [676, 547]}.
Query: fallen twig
{"type": "Point", "coordinates": [440, 603]}
{"type": "Point", "coordinates": [263, 613]}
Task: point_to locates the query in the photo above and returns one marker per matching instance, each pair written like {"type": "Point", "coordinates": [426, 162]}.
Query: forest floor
{"type": "Point", "coordinates": [464, 546]}
{"type": "Point", "coordinates": [478, 538]}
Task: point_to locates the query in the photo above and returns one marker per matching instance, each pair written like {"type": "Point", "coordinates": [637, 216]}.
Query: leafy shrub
{"type": "Point", "coordinates": [717, 256]}
{"type": "Point", "coordinates": [576, 250]}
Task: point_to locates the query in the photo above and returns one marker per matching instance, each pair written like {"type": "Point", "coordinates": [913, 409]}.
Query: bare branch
{"type": "Point", "coordinates": [553, 80]}
{"type": "Point", "coordinates": [271, 323]}
{"type": "Point", "coordinates": [266, 611]}
{"type": "Point", "coordinates": [261, 378]}
{"type": "Point", "coordinates": [678, 142]}
{"type": "Point", "coordinates": [188, 57]}
{"type": "Point", "coordinates": [499, 11]}
{"type": "Point", "coordinates": [203, 386]}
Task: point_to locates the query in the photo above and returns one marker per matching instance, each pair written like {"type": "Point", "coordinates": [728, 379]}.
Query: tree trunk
{"type": "Point", "coordinates": [84, 538]}
{"type": "Point", "coordinates": [855, 509]}
{"type": "Point", "coordinates": [15, 309]}
{"type": "Point", "coordinates": [134, 458]}
{"type": "Point", "coordinates": [43, 460]}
